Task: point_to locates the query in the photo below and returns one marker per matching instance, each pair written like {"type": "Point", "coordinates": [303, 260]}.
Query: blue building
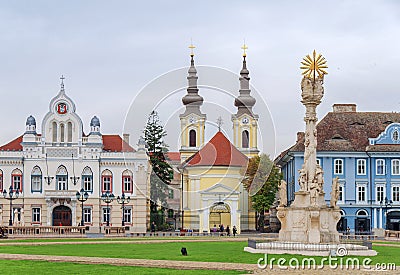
{"type": "Point", "coordinates": [362, 149]}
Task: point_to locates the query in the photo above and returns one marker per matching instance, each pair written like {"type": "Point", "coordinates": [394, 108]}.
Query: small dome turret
{"type": "Point", "coordinates": [95, 122]}
{"type": "Point", "coordinates": [30, 121]}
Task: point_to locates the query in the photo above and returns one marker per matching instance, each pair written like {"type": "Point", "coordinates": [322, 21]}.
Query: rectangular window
{"type": "Point", "coordinates": [107, 183]}
{"type": "Point", "coordinates": [87, 183]}
{"type": "Point", "coordinates": [87, 215]}
{"type": "Point", "coordinates": [106, 214]}
{"type": "Point", "coordinates": [1, 182]}
{"type": "Point", "coordinates": [128, 215]}
{"type": "Point", "coordinates": [380, 193]}
{"type": "Point", "coordinates": [361, 193]}
{"type": "Point", "coordinates": [338, 169]}
{"type": "Point", "coordinates": [395, 167]}
{"type": "Point", "coordinates": [62, 183]}
{"type": "Point", "coordinates": [361, 163]}
{"type": "Point", "coordinates": [341, 193]}
{"type": "Point", "coordinates": [396, 193]}
{"type": "Point", "coordinates": [170, 194]}
{"type": "Point", "coordinates": [380, 166]}
{"type": "Point", "coordinates": [127, 184]}
{"type": "Point", "coordinates": [35, 215]}
{"type": "Point", "coordinates": [17, 182]}
{"type": "Point", "coordinates": [36, 184]}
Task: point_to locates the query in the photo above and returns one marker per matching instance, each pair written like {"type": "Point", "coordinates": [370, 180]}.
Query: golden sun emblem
{"type": "Point", "coordinates": [314, 65]}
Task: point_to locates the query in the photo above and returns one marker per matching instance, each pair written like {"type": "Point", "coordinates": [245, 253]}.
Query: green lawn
{"type": "Point", "coordinates": [198, 251]}
{"type": "Point", "coordinates": [50, 268]}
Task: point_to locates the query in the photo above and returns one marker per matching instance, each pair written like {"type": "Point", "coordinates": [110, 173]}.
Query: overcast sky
{"type": "Point", "coordinates": [110, 50]}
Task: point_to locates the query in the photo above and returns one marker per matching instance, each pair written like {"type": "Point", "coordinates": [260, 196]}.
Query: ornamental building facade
{"type": "Point", "coordinates": [50, 167]}
{"type": "Point", "coordinates": [361, 149]}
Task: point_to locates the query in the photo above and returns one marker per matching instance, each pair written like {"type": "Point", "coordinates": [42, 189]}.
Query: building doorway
{"type": "Point", "coordinates": [220, 213]}
{"type": "Point", "coordinates": [393, 220]}
{"type": "Point", "coordinates": [342, 224]}
{"type": "Point", "coordinates": [62, 216]}
{"type": "Point", "coordinates": [362, 222]}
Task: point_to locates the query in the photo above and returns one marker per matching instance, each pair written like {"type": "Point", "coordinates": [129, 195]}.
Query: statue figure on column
{"type": "Point", "coordinates": [319, 177]}
{"type": "Point", "coordinates": [335, 192]}
{"type": "Point", "coordinates": [282, 193]}
{"type": "Point", "coordinates": [303, 179]}
{"type": "Point", "coordinates": [1, 216]}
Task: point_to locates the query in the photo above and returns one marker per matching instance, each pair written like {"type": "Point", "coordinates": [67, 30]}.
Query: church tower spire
{"type": "Point", "coordinates": [192, 120]}
{"type": "Point", "coordinates": [245, 122]}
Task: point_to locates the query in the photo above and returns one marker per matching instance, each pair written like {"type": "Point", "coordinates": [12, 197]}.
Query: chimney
{"type": "Point", "coordinates": [343, 108]}
{"type": "Point", "coordinates": [126, 138]}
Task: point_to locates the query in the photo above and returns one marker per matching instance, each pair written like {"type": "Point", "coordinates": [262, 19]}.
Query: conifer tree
{"type": "Point", "coordinates": [162, 172]}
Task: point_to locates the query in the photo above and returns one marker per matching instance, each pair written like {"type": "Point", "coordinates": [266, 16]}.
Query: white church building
{"type": "Point", "coordinates": [50, 167]}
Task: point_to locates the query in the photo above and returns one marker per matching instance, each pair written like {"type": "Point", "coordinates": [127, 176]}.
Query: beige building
{"type": "Point", "coordinates": [50, 167]}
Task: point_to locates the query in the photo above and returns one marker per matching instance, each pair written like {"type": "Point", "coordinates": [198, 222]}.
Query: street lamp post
{"type": "Point", "coordinates": [82, 196]}
{"type": "Point", "coordinates": [107, 197]}
{"type": "Point", "coordinates": [387, 203]}
{"type": "Point", "coordinates": [123, 200]}
{"type": "Point", "coordinates": [11, 196]}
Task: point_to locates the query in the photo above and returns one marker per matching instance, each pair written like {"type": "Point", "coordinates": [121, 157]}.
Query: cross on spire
{"type": "Point", "coordinates": [191, 47]}
{"type": "Point", "coordinates": [219, 123]}
{"type": "Point", "coordinates": [244, 48]}
{"type": "Point", "coordinates": [62, 82]}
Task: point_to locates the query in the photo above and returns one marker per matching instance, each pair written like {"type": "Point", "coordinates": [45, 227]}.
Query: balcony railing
{"type": "Point", "coordinates": [44, 231]}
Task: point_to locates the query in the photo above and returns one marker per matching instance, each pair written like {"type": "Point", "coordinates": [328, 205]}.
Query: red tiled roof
{"type": "Point", "coordinates": [14, 145]}
{"type": "Point", "coordinates": [114, 143]}
{"type": "Point", "coordinates": [219, 151]}
{"type": "Point", "coordinates": [174, 156]}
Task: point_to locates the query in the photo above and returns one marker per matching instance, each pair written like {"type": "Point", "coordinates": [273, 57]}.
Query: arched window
{"type": "Point", "coordinates": [245, 139]}
{"type": "Point", "coordinates": [62, 132]}
{"type": "Point", "coordinates": [192, 138]}
{"type": "Point", "coordinates": [362, 213]}
{"type": "Point", "coordinates": [127, 182]}
{"type": "Point", "coordinates": [106, 181]}
{"type": "Point", "coordinates": [87, 179]}
{"type": "Point", "coordinates": [69, 131]}
{"type": "Point", "coordinates": [36, 179]}
{"type": "Point", "coordinates": [62, 178]}
{"type": "Point", "coordinates": [1, 180]}
{"type": "Point", "coordinates": [54, 131]}
{"type": "Point", "coordinates": [16, 179]}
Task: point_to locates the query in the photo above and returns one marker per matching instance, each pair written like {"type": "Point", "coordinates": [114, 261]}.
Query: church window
{"type": "Point", "coordinates": [245, 139]}
{"type": "Point", "coordinates": [87, 180]}
{"type": "Point", "coordinates": [69, 131]}
{"type": "Point", "coordinates": [127, 181]}
{"type": "Point", "coordinates": [36, 180]}
{"type": "Point", "coordinates": [54, 131]}
{"type": "Point", "coordinates": [106, 181]}
{"type": "Point", "coordinates": [192, 138]}
{"type": "Point", "coordinates": [62, 132]}
{"type": "Point", "coordinates": [62, 178]}
{"type": "Point", "coordinates": [16, 178]}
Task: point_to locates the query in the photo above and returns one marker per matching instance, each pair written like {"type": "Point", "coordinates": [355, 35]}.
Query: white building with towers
{"type": "Point", "coordinates": [50, 167]}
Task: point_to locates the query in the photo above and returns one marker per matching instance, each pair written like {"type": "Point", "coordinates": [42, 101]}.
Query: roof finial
{"type": "Point", "coordinates": [244, 48]}
{"type": "Point", "coordinates": [219, 123]}
{"type": "Point", "coordinates": [191, 47]}
{"type": "Point", "coordinates": [62, 82]}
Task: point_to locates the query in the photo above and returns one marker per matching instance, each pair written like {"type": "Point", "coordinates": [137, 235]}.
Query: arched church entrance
{"type": "Point", "coordinates": [393, 220]}
{"type": "Point", "coordinates": [62, 216]}
{"type": "Point", "coordinates": [220, 213]}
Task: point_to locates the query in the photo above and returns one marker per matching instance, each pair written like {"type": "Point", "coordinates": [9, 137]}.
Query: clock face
{"type": "Point", "coordinates": [245, 120]}
{"type": "Point", "coordinates": [192, 120]}
{"type": "Point", "coordinates": [62, 108]}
